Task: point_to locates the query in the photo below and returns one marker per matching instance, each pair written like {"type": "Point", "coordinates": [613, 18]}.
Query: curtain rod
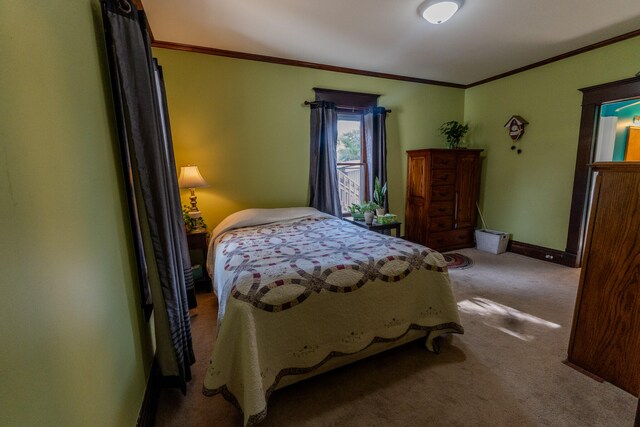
{"type": "Point", "coordinates": [344, 107]}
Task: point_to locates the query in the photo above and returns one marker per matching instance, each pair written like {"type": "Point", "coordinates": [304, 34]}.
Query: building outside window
{"type": "Point", "coordinates": [351, 163]}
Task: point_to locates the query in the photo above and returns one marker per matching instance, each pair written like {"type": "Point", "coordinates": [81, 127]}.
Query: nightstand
{"type": "Point", "coordinates": [198, 250]}
{"type": "Point", "coordinates": [378, 228]}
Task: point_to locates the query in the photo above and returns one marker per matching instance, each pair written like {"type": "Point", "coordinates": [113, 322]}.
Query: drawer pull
{"type": "Point", "coordinates": [441, 209]}
{"type": "Point", "coordinates": [440, 240]}
{"type": "Point", "coordinates": [445, 177]}
{"type": "Point", "coordinates": [443, 193]}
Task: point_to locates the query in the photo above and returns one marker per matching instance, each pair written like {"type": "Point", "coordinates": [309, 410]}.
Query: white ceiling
{"type": "Point", "coordinates": [485, 37]}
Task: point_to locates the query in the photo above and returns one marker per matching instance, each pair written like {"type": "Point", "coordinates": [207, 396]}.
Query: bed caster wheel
{"type": "Point", "coordinates": [436, 345]}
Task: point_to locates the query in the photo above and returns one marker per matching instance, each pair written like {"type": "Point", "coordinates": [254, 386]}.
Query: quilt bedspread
{"type": "Point", "coordinates": [298, 292]}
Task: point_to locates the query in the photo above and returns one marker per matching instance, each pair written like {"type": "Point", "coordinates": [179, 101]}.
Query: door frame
{"type": "Point", "coordinates": [592, 98]}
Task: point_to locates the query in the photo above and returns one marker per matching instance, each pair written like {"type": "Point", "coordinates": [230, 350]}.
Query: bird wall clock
{"type": "Point", "coordinates": [515, 125]}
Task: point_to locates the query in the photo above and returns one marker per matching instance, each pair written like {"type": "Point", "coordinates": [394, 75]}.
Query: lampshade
{"type": "Point", "coordinates": [439, 11]}
{"type": "Point", "coordinates": [190, 178]}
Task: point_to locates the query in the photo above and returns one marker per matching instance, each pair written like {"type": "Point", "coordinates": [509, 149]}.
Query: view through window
{"type": "Point", "coordinates": [351, 165]}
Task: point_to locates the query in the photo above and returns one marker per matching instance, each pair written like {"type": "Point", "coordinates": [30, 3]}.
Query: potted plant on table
{"type": "Point", "coordinates": [368, 208]}
{"type": "Point", "coordinates": [454, 131]}
{"type": "Point", "coordinates": [190, 223]}
{"type": "Point", "coordinates": [379, 196]}
{"type": "Point", "coordinates": [356, 212]}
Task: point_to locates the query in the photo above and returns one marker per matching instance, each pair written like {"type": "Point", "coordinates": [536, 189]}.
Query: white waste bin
{"type": "Point", "coordinates": [492, 241]}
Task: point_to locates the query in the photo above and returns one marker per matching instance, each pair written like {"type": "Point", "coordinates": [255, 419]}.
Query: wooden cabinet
{"type": "Point", "coordinates": [605, 337]}
{"type": "Point", "coordinates": [442, 190]}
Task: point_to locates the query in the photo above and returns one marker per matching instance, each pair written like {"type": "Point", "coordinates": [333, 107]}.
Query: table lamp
{"type": "Point", "coordinates": [190, 178]}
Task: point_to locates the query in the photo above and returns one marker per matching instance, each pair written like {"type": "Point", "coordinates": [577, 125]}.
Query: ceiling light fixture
{"type": "Point", "coordinates": [439, 11]}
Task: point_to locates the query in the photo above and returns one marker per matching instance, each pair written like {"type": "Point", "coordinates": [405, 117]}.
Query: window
{"type": "Point", "coordinates": [351, 163]}
{"type": "Point", "coordinates": [351, 159]}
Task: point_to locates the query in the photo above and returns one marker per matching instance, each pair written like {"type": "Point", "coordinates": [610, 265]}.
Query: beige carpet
{"type": "Point", "coordinates": [506, 370]}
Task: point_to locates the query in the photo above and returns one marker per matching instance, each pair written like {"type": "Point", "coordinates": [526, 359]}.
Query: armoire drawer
{"type": "Point", "coordinates": [443, 192]}
{"type": "Point", "coordinates": [440, 223]}
{"type": "Point", "coordinates": [441, 208]}
{"type": "Point", "coordinates": [440, 160]}
{"type": "Point", "coordinates": [443, 177]}
{"type": "Point", "coordinates": [450, 238]}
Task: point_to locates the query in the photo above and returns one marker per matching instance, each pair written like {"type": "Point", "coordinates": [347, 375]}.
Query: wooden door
{"type": "Point", "coordinates": [466, 190]}
{"type": "Point", "coordinates": [415, 214]}
{"type": "Point", "coordinates": [605, 338]}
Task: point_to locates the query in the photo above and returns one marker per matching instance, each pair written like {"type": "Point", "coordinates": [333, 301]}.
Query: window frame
{"type": "Point", "coordinates": [351, 104]}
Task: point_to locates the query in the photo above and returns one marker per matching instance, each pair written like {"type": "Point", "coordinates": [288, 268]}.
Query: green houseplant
{"type": "Point", "coordinates": [454, 131]}
{"type": "Point", "coordinates": [191, 223]}
{"type": "Point", "coordinates": [368, 208]}
{"type": "Point", "coordinates": [356, 212]}
{"type": "Point", "coordinates": [379, 195]}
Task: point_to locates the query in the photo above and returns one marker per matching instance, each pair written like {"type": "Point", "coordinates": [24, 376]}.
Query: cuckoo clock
{"type": "Point", "coordinates": [515, 126]}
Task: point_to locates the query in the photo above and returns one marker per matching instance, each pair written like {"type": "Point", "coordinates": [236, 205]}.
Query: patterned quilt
{"type": "Point", "coordinates": [305, 287]}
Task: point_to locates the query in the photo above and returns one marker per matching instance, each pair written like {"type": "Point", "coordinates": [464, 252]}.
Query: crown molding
{"type": "Point", "coordinates": [296, 63]}
{"type": "Point", "coordinates": [556, 58]}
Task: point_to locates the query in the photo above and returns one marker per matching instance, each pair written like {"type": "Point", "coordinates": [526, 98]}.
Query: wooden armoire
{"type": "Point", "coordinates": [605, 337]}
{"type": "Point", "coordinates": [442, 191]}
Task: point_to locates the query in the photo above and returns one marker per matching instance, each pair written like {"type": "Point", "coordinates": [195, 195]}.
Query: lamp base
{"type": "Point", "coordinates": [196, 216]}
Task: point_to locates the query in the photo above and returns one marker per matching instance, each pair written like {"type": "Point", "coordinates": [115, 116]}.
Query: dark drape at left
{"type": "Point", "coordinates": [375, 136]}
{"type": "Point", "coordinates": [323, 173]}
{"type": "Point", "coordinates": [146, 147]}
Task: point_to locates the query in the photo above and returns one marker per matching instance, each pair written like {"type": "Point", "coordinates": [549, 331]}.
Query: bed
{"type": "Point", "coordinates": [301, 292]}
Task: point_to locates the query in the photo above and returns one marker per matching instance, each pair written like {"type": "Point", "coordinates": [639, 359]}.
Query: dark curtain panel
{"type": "Point", "coordinates": [323, 172]}
{"type": "Point", "coordinates": [375, 134]}
{"type": "Point", "coordinates": [145, 136]}
{"type": "Point", "coordinates": [143, 277]}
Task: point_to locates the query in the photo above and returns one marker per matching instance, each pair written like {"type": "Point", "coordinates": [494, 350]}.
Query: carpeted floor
{"type": "Point", "coordinates": [506, 370]}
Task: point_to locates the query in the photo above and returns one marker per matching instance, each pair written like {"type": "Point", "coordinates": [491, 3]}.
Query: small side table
{"type": "Point", "coordinates": [378, 228]}
{"type": "Point", "coordinates": [198, 242]}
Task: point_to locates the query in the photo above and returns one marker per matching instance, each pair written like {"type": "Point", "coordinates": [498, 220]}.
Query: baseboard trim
{"type": "Point", "coordinates": [542, 253]}
{"type": "Point", "coordinates": [583, 371]}
{"type": "Point", "coordinates": [147, 415]}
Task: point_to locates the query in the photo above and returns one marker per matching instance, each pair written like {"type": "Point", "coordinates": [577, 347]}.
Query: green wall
{"type": "Point", "coordinates": [75, 351]}
{"type": "Point", "coordinates": [243, 123]}
{"type": "Point", "coordinates": [529, 195]}
{"type": "Point", "coordinates": [245, 126]}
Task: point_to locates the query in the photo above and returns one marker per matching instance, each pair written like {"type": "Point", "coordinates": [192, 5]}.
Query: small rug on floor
{"type": "Point", "coordinates": [456, 260]}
